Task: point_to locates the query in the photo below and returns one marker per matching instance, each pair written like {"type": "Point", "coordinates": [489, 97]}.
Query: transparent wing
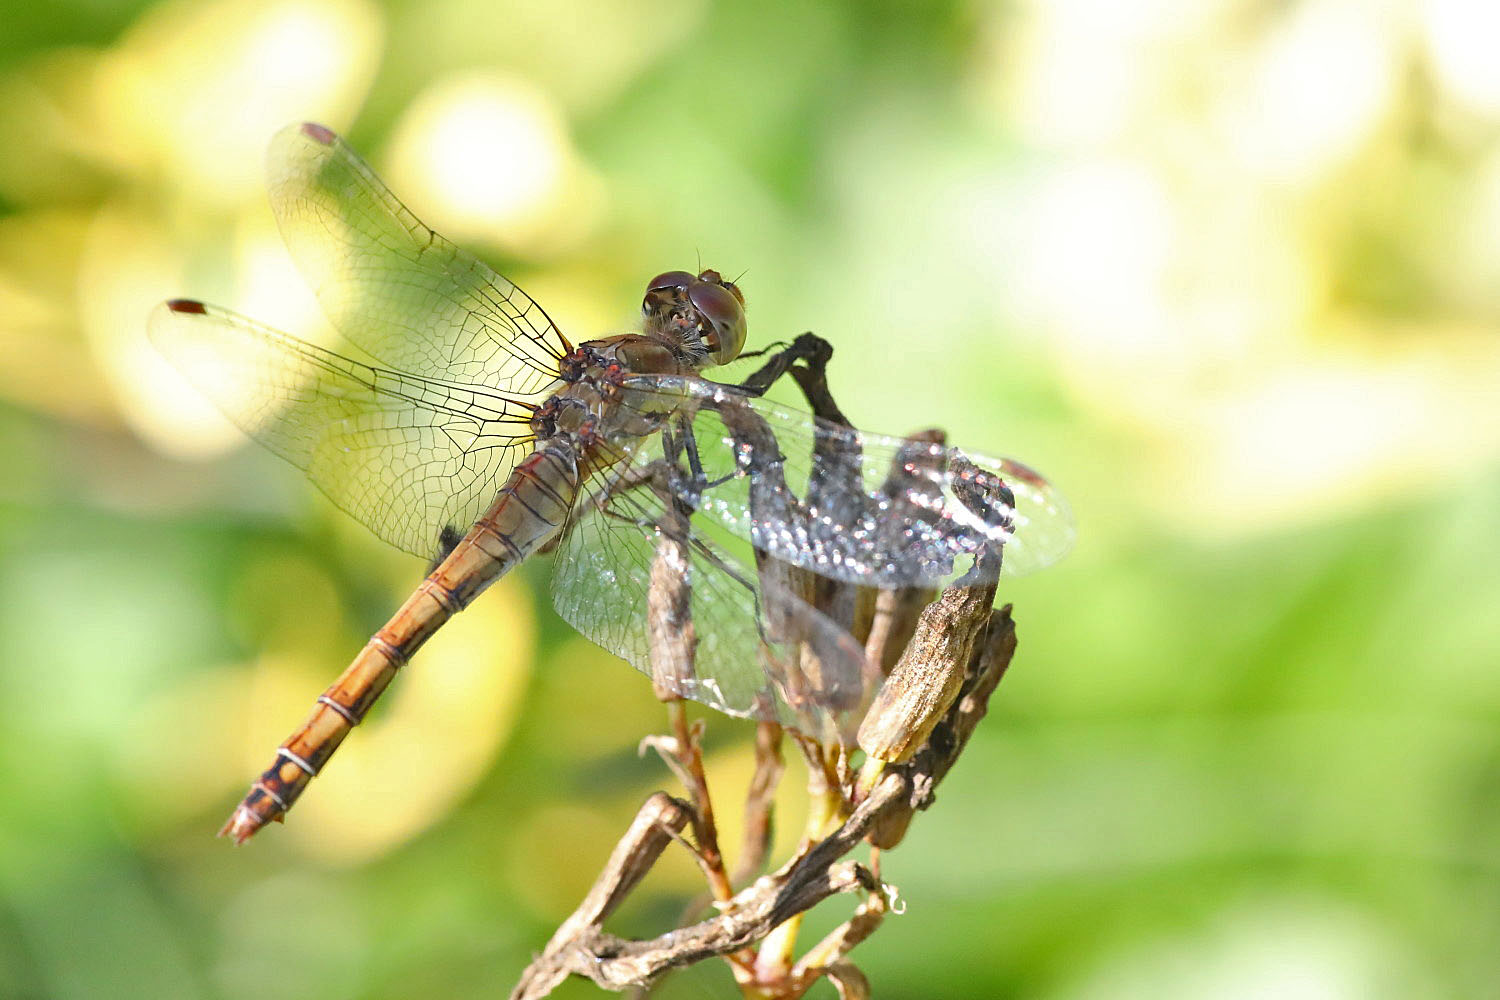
{"type": "Point", "coordinates": [395, 288]}
{"type": "Point", "coordinates": [406, 456]}
{"type": "Point", "coordinates": [859, 507]}
{"type": "Point", "coordinates": [640, 578]}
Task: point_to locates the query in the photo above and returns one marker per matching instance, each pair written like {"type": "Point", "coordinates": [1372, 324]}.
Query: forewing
{"type": "Point", "coordinates": [642, 580]}
{"type": "Point", "coordinates": [859, 507]}
{"type": "Point", "coordinates": [406, 456]}
{"type": "Point", "coordinates": [395, 288]}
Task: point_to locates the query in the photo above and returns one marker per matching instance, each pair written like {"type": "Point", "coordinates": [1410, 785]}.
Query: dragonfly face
{"type": "Point", "coordinates": [703, 312]}
{"type": "Point", "coordinates": [678, 507]}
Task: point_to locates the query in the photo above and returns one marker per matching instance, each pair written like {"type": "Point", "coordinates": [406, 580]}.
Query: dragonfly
{"type": "Point", "coordinates": [693, 521]}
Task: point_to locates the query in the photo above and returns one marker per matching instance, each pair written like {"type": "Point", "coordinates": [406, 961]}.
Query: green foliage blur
{"type": "Point", "coordinates": [1228, 271]}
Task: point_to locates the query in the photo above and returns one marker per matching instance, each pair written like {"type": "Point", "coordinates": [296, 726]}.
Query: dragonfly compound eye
{"type": "Point", "coordinates": [721, 307]}
{"type": "Point", "coordinates": [665, 288]}
{"type": "Point", "coordinates": [668, 280]}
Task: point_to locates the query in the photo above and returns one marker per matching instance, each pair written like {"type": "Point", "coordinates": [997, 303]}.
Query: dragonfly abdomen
{"type": "Point", "coordinates": [526, 514]}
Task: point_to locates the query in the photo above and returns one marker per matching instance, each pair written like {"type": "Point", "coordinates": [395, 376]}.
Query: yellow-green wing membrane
{"type": "Point", "coordinates": [392, 286]}
{"type": "Point", "coordinates": [407, 456]}
{"type": "Point", "coordinates": [689, 607]}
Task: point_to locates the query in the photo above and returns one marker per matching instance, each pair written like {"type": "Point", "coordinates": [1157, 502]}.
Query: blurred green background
{"type": "Point", "coordinates": [1227, 271]}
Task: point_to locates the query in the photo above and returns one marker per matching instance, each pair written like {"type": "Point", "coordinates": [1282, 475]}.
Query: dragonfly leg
{"type": "Point", "coordinates": [448, 540]}
{"type": "Point", "coordinates": [808, 348]}
{"type": "Point", "coordinates": [811, 375]}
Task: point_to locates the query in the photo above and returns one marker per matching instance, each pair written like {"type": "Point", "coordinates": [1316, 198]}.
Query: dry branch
{"type": "Point", "coordinates": [581, 947]}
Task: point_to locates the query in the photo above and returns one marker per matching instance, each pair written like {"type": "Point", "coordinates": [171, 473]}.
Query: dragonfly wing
{"type": "Point", "coordinates": [859, 507]}
{"type": "Point", "coordinates": [406, 456]}
{"type": "Point", "coordinates": [392, 286]}
{"type": "Point", "coordinates": [637, 576]}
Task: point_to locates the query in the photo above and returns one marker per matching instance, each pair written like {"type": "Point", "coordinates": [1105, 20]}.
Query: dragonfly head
{"type": "Point", "coordinates": [704, 312]}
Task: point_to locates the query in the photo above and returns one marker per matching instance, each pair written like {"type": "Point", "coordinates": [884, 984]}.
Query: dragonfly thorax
{"type": "Point", "coordinates": [595, 399]}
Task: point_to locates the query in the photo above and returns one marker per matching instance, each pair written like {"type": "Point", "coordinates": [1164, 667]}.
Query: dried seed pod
{"type": "Point", "coordinates": [670, 631]}
{"type": "Point", "coordinates": [927, 678]}
{"type": "Point", "coordinates": [893, 622]}
{"type": "Point", "coordinates": [893, 616]}
{"type": "Point", "coordinates": [987, 665]}
{"type": "Point", "coordinates": [669, 623]}
{"type": "Point", "coordinates": [890, 829]}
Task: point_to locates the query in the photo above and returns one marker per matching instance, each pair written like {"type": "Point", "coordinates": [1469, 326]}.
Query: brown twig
{"type": "Point", "coordinates": [760, 802]}
{"type": "Point", "coordinates": [656, 824]}
{"type": "Point", "coordinates": [687, 741]}
{"type": "Point", "coordinates": [827, 955]}
{"type": "Point", "coordinates": [581, 947]}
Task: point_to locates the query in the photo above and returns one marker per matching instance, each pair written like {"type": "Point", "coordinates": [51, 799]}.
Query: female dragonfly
{"type": "Point", "coordinates": [691, 519]}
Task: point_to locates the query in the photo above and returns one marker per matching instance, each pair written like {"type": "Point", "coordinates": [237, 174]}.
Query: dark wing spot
{"type": "Point", "coordinates": [318, 133]}
{"type": "Point", "coordinates": [186, 306]}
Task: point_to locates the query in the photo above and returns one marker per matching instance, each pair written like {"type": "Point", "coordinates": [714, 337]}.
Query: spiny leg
{"type": "Point", "coordinates": [808, 348]}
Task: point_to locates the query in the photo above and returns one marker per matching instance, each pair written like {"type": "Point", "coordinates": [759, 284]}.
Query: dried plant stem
{"type": "Point", "coordinates": [581, 947]}
{"type": "Point", "coordinates": [689, 752]}
{"type": "Point", "coordinates": [683, 753]}
{"type": "Point", "coordinates": [760, 802]}
{"type": "Point", "coordinates": [659, 820]}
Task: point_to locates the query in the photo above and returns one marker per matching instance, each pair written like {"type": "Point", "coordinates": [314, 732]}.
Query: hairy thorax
{"type": "Point", "coordinates": [597, 410]}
